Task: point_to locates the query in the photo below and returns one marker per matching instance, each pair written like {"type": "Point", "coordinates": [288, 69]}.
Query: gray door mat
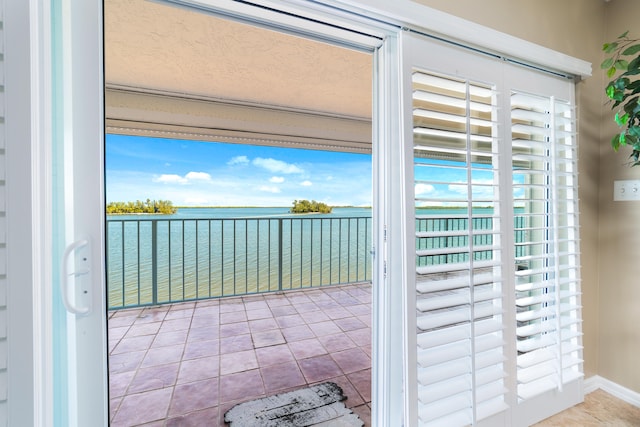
{"type": "Point", "coordinates": [318, 405]}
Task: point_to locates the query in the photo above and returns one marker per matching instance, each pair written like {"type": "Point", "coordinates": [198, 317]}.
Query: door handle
{"type": "Point", "coordinates": [82, 270]}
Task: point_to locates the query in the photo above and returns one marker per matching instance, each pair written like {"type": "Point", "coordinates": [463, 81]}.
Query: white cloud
{"type": "Point", "coordinates": [276, 179]}
{"type": "Point", "coordinates": [429, 204]}
{"type": "Point", "coordinates": [238, 160]}
{"type": "Point", "coordinates": [170, 179]}
{"type": "Point", "coordinates": [276, 166]}
{"type": "Point", "coordinates": [198, 176]}
{"type": "Point", "coordinates": [177, 179]}
{"type": "Point", "coordinates": [458, 188]}
{"type": "Point", "coordinates": [269, 189]}
{"type": "Point", "coordinates": [306, 183]}
{"type": "Point", "coordinates": [481, 188]}
{"type": "Point", "coordinates": [424, 189]}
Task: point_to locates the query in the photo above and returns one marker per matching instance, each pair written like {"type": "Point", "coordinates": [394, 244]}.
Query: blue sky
{"type": "Point", "coordinates": [191, 173]}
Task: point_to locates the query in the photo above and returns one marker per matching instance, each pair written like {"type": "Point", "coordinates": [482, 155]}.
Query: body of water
{"type": "Point", "coordinates": [212, 252]}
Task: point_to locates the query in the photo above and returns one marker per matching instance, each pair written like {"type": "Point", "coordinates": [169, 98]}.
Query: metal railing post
{"type": "Point", "coordinates": [279, 254]}
{"type": "Point", "coordinates": [154, 262]}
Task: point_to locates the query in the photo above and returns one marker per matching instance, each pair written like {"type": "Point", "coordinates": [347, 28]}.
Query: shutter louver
{"type": "Point", "coordinates": [459, 300]}
{"type": "Point", "coordinates": [546, 230]}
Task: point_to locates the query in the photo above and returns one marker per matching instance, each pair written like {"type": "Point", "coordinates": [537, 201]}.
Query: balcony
{"type": "Point", "coordinates": [188, 363]}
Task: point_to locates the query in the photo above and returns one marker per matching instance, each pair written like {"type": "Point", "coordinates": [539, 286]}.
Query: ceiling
{"type": "Point", "coordinates": [158, 48]}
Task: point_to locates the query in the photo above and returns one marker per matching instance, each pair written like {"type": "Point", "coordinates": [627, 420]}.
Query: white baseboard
{"type": "Point", "coordinates": [597, 382]}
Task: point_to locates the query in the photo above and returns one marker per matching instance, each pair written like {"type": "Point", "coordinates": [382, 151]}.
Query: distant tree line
{"type": "Point", "coordinates": [149, 206]}
{"type": "Point", "coordinates": [306, 206]}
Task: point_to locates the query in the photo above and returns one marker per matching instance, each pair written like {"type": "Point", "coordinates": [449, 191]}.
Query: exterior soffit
{"type": "Point", "coordinates": [156, 47]}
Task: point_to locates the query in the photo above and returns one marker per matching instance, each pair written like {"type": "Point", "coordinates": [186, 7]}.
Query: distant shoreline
{"type": "Point", "coordinates": [289, 207]}
{"type": "Point", "coordinates": [259, 207]}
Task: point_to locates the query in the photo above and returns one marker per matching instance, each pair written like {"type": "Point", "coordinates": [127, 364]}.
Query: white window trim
{"type": "Point", "coordinates": [410, 14]}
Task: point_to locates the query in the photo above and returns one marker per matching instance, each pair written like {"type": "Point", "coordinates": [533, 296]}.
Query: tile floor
{"type": "Point", "coordinates": [598, 409]}
{"type": "Point", "coordinates": [186, 364]}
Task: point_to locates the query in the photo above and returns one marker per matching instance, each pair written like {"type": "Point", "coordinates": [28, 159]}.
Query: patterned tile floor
{"type": "Point", "coordinates": [186, 364]}
{"type": "Point", "coordinates": [598, 409]}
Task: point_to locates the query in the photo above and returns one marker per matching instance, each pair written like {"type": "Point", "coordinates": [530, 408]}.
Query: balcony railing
{"type": "Point", "coordinates": [446, 224]}
{"type": "Point", "coordinates": [156, 261]}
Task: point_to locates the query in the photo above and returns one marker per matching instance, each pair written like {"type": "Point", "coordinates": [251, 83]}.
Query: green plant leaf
{"type": "Point", "coordinates": [610, 47]}
{"type": "Point", "coordinates": [631, 50]}
{"type": "Point", "coordinates": [606, 63]}
{"type": "Point", "coordinates": [623, 138]}
{"type": "Point", "coordinates": [611, 71]}
{"type": "Point", "coordinates": [619, 96]}
{"type": "Point", "coordinates": [615, 142]}
{"type": "Point", "coordinates": [621, 83]}
{"type": "Point", "coordinates": [610, 90]}
{"type": "Point", "coordinates": [623, 35]}
{"type": "Point", "coordinates": [630, 105]}
{"type": "Point", "coordinates": [621, 64]}
{"type": "Point", "coordinates": [622, 120]}
{"type": "Point", "coordinates": [634, 63]}
{"type": "Point", "coordinates": [632, 72]}
{"type": "Point", "coordinates": [634, 130]}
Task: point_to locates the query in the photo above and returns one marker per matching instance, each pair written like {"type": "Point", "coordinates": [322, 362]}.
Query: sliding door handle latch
{"type": "Point", "coordinates": [77, 281]}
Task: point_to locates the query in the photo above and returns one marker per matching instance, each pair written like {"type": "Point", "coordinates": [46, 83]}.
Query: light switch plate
{"type": "Point", "coordinates": [627, 190]}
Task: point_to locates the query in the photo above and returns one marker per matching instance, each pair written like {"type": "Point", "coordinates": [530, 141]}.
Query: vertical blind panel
{"type": "Point", "coordinates": [459, 285]}
{"type": "Point", "coordinates": [546, 230]}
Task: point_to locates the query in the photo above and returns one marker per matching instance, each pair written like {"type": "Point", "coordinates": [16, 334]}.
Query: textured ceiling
{"type": "Point", "coordinates": [159, 47]}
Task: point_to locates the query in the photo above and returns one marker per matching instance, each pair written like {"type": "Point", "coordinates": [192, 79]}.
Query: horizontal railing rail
{"type": "Point", "coordinates": [452, 233]}
{"type": "Point", "coordinates": [157, 261]}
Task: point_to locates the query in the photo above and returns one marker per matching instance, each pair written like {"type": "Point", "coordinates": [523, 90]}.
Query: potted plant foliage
{"type": "Point", "coordinates": [624, 91]}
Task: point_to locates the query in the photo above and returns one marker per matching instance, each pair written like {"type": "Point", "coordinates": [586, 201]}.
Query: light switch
{"type": "Point", "coordinates": [627, 190]}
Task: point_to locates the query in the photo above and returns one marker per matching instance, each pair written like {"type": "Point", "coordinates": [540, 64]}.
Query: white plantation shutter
{"type": "Point", "coordinates": [545, 195]}
{"type": "Point", "coordinates": [459, 275]}
{"type": "Point", "coordinates": [494, 281]}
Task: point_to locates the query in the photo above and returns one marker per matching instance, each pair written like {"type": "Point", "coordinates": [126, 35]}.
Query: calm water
{"type": "Point", "coordinates": [212, 252]}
